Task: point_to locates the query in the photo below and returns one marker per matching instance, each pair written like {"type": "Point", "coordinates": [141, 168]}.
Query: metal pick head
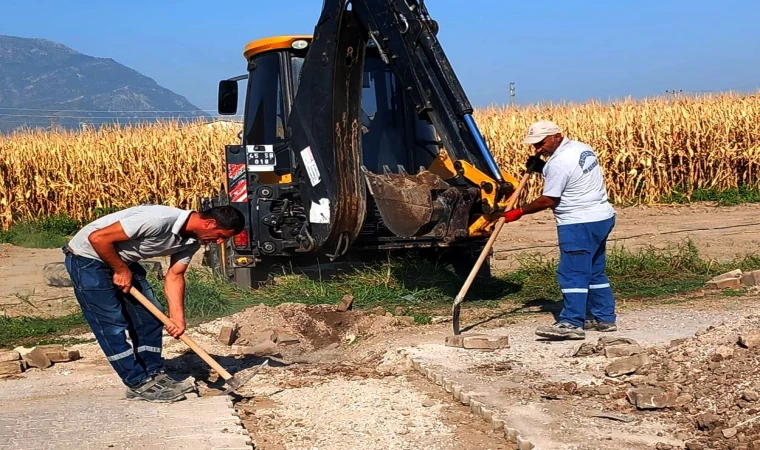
{"type": "Point", "coordinates": [235, 383]}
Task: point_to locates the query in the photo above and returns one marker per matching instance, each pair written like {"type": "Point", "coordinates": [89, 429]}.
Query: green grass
{"type": "Point", "coordinates": [46, 232]}
{"type": "Point", "coordinates": [728, 197]}
{"type": "Point", "coordinates": [420, 288]}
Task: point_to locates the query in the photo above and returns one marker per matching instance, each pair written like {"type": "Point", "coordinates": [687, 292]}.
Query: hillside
{"type": "Point", "coordinates": [43, 81]}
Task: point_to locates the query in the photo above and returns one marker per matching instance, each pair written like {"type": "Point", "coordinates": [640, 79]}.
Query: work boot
{"type": "Point", "coordinates": [156, 390]}
{"type": "Point", "coordinates": [596, 325]}
{"type": "Point", "coordinates": [561, 330]}
{"type": "Point", "coordinates": [185, 386]}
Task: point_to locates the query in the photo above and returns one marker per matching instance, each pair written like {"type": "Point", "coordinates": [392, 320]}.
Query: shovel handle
{"type": "Point", "coordinates": [185, 338]}
{"type": "Point", "coordinates": [510, 205]}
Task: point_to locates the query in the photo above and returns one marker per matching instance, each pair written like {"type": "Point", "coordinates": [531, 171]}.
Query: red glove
{"type": "Point", "coordinates": [513, 214]}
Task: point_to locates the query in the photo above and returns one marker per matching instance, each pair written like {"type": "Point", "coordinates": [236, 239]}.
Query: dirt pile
{"type": "Point", "coordinates": [705, 389]}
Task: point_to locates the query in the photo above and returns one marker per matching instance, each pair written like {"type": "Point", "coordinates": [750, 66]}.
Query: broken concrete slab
{"type": "Point", "coordinates": [281, 337]}
{"type": "Point", "coordinates": [651, 398]}
{"type": "Point", "coordinates": [749, 340]}
{"type": "Point", "coordinates": [627, 365]}
{"type": "Point", "coordinates": [751, 278]}
{"type": "Point", "coordinates": [11, 355]}
{"type": "Point", "coordinates": [266, 348]}
{"type": "Point", "coordinates": [345, 303]}
{"type": "Point", "coordinates": [734, 274]}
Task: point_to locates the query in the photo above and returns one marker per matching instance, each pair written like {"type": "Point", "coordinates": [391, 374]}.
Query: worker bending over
{"type": "Point", "coordinates": [574, 189]}
{"type": "Point", "coordinates": [102, 261]}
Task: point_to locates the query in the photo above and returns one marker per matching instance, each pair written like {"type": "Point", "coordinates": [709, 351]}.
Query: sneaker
{"type": "Point", "coordinates": [595, 325]}
{"type": "Point", "coordinates": [156, 390]}
{"type": "Point", "coordinates": [561, 330]}
{"type": "Point", "coordinates": [185, 386]}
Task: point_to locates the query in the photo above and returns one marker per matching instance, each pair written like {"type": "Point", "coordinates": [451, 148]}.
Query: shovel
{"type": "Point", "coordinates": [462, 292]}
{"type": "Point", "coordinates": [233, 382]}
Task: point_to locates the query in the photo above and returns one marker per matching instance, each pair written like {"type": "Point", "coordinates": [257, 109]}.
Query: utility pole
{"type": "Point", "coordinates": [511, 93]}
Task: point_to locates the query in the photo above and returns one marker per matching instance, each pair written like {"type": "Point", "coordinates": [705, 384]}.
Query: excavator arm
{"type": "Point", "coordinates": [325, 123]}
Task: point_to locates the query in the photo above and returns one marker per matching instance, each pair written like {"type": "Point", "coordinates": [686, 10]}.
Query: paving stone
{"type": "Point", "coordinates": [228, 334]}
{"type": "Point", "coordinates": [11, 355]}
{"type": "Point", "coordinates": [11, 367]}
{"type": "Point", "coordinates": [34, 357]}
{"type": "Point", "coordinates": [454, 341]}
{"type": "Point", "coordinates": [724, 284]}
{"type": "Point", "coordinates": [63, 356]}
{"type": "Point", "coordinates": [265, 348]}
{"type": "Point", "coordinates": [486, 342]}
{"type": "Point", "coordinates": [345, 303]}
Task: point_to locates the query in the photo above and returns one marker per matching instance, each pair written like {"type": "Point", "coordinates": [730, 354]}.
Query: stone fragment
{"type": "Point", "coordinates": [751, 278]}
{"type": "Point", "coordinates": [750, 340]}
{"type": "Point", "coordinates": [732, 275]}
{"type": "Point", "coordinates": [617, 351]}
{"type": "Point", "coordinates": [261, 349]}
{"type": "Point", "coordinates": [750, 396]}
{"type": "Point", "coordinates": [34, 357]}
{"type": "Point", "coordinates": [728, 433]}
{"type": "Point", "coordinates": [694, 446]}
{"type": "Point", "coordinates": [345, 303]}
{"type": "Point", "coordinates": [627, 365]}
{"type": "Point", "coordinates": [707, 421]}
{"type": "Point", "coordinates": [11, 367]}
{"type": "Point", "coordinates": [724, 284]}
{"type": "Point", "coordinates": [584, 349]}
{"type": "Point", "coordinates": [485, 342]}
{"type": "Point", "coordinates": [651, 398]}
{"type": "Point", "coordinates": [228, 334]}
{"type": "Point", "coordinates": [11, 355]}
{"type": "Point", "coordinates": [63, 356]}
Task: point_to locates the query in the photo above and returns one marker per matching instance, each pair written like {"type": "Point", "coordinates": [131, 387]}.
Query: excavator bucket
{"type": "Point", "coordinates": [406, 202]}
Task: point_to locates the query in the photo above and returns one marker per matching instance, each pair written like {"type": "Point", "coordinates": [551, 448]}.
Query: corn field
{"type": "Point", "coordinates": [646, 150]}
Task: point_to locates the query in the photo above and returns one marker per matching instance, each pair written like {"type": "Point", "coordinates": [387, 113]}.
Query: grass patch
{"type": "Point", "coordinates": [45, 232]}
{"type": "Point", "coordinates": [15, 331]}
{"type": "Point", "coordinates": [728, 197]}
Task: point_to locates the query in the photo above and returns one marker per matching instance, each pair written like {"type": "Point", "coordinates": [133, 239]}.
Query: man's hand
{"type": "Point", "coordinates": [178, 328]}
{"type": "Point", "coordinates": [513, 215]}
{"type": "Point", "coordinates": [535, 164]}
{"type": "Point", "coordinates": [123, 279]}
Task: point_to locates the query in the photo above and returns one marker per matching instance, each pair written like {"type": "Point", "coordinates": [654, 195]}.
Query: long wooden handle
{"type": "Point", "coordinates": [511, 205]}
{"type": "Point", "coordinates": [185, 338]}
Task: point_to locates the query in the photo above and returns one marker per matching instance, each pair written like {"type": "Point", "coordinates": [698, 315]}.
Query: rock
{"type": "Point", "coordinates": [283, 338]}
{"type": "Point", "coordinates": [728, 433]}
{"type": "Point", "coordinates": [485, 342]}
{"type": "Point", "coordinates": [684, 399]}
{"type": "Point", "coordinates": [694, 446]}
{"type": "Point", "coordinates": [12, 367]}
{"type": "Point", "coordinates": [34, 356]}
{"type": "Point", "coordinates": [584, 349]}
{"type": "Point", "coordinates": [750, 340]}
{"type": "Point", "coordinates": [454, 340]}
{"type": "Point", "coordinates": [707, 421]}
{"type": "Point", "coordinates": [603, 390]}
{"type": "Point", "coordinates": [732, 275]}
{"type": "Point", "coordinates": [9, 356]}
{"type": "Point", "coordinates": [439, 319]}
{"type": "Point", "coordinates": [616, 351]}
{"type": "Point", "coordinates": [663, 446]}
{"type": "Point", "coordinates": [607, 341]}
{"type": "Point", "coordinates": [651, 398]}
{"type": "Point", "coordinates": [627, 365]}
{"type": "Point", "coordinates": [265, 348]}
{"type": "Point", "coordinates": [345, 303]}
{"type": "Point", "coordinates": [724, 284]}
{"type": "Point", "coordinates": [724, 351]}
{"type": "Point", "coordinates": [63, 356]}
{"type": "Point", "coordinates": [750, 396]}
{"type": "Point", "coordinates": [751, 278]}
{"type": "Point", "coordinates": [677, 342]}
{"type": "Point", "coordinates": [228, 334]}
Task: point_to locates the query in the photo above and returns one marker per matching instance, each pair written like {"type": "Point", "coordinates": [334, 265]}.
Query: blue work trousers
{"type": "Point", "coordinates": [113, 314]}
{"type": "Point", "coordinates": [581, 272]}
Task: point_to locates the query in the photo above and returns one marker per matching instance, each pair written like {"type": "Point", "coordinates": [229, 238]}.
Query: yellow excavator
{"type": "Point", "coordinates": [356, 140]}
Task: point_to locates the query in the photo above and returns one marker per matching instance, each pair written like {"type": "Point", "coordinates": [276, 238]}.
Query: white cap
{"type": "Point", "coordinates": [539, 130]}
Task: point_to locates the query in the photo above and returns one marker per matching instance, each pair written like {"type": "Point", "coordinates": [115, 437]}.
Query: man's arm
{"type": "Point", "coordinates": [174, 289]}
{"type": "Point", "coordinates": [541, 203]}
{"type": "Point", "coordinates": [102, 242]}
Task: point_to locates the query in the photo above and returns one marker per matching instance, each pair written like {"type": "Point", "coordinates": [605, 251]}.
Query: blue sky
{"type": "Point", "coordinates": [553, 50]}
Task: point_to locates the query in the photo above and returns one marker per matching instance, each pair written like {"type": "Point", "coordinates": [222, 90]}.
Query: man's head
{"type": "Point", "coordinates": [216, 224]}
{"type": "Point", "coordinates": [544, 136]}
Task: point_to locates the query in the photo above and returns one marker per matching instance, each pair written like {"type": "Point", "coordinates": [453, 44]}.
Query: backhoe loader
{"type": "Point", "coordinates": [357, 140]}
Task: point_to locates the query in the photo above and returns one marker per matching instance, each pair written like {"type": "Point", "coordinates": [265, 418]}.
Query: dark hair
{"type": "Point", "coordinates": [226, 217]}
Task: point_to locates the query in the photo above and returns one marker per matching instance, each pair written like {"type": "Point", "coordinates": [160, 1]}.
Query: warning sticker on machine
{"type": "Point", "coordinates": [311, 166]}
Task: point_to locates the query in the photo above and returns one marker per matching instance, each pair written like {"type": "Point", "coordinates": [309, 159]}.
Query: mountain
{"type": "Point", "coordinates": [44, 82]}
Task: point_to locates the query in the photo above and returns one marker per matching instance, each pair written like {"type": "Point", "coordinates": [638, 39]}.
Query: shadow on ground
{"type": "Point", "coordinates": [532, 307]}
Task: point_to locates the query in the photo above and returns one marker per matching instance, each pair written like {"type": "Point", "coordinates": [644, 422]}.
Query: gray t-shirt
{"type": "Point", "coordinates": [153, 231]}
